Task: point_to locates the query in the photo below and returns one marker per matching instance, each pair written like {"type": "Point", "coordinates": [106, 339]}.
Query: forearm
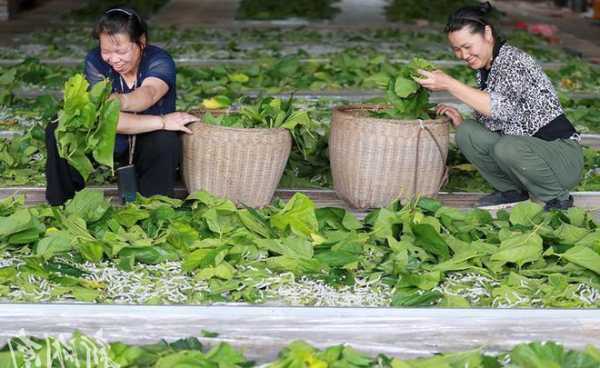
{"type": "Point", "coordinates": [137, 124]}
{"type": "Point", "coordinates": [138, 100]}
{"type": "Point", "coordinates": [476, 99]}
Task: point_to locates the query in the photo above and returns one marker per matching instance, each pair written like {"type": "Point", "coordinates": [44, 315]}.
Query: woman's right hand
{"type": "Point", "coordinates": [177, 121]}
{"type": "Point", "coordinates": [451, 112]}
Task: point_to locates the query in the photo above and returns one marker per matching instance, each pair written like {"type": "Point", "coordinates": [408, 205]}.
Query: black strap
{"type": "Point", "coordinates": [559, 128]}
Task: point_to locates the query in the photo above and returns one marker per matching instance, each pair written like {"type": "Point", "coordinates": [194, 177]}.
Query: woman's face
{"type": "Point", "coordinates": [120, 52]}
{"type": "Point", "coordinates": [475, 49]}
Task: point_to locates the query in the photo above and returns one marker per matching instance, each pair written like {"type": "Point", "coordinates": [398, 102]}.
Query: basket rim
{"type": "Point", "coordinates": [240, 130]}
{"type": "Point", "coordinates": [345, 110]}
{"type": "Point", "coordinates": [199, 111]}
{"type": "Point", "coordinates": [200, 114]}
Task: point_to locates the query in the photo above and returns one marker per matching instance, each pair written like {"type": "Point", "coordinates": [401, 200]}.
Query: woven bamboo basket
{"type": "Point", "coordinates": [243, 165]}
{"type": "Point", "coordinates": [375, 161]}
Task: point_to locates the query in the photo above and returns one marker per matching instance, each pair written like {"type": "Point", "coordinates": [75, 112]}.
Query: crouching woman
{"type": "Point", "coordinates": [521, 141]}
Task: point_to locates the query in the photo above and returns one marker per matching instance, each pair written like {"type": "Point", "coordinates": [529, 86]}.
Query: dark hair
{"type": "Point", "coordinates": [476, 17]}
{"type": "Point", "coordinates": [122, 19]}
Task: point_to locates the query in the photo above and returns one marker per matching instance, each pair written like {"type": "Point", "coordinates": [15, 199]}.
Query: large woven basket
{"type": "Point", "coordinates": [244, 165]}
{"type": "Point", "coordinates": [375, 161]}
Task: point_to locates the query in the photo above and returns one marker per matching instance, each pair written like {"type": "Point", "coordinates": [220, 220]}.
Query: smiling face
{"type": "Point", "coordinates": [474, 48]}
{"type": "Point", "coordinates": [120, 52]}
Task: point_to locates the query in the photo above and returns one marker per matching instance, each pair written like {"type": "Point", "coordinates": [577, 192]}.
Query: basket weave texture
{"type": "Point", "coordinates": [375, 161]}
{"type": "Point", "coordinates": [243, 165]}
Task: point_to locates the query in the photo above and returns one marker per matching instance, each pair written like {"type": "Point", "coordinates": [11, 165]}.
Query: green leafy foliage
{"type": "Point", "coordinates": [69, 41]}
{"type": "Point", "coordinates": [411, 10]}
{"type": "Point", "coordinates": [87, 124]}
{"type": "Point", "coordinates": [591, 177]}
{"type": "Point", "coordinates": [463, 74]}
{"type": "Point", "coordinates": [31, 72]}
{"type": "Point", "coordinates": [93, 10]}
{"type": "Point", "coordinates": [536, 45]}
{"type": "Point", "coordinates": [550, 354]}
{"type": "Point", "coordinates": [24, 351]}
{"type": "Point", "coordinates": [267, 112]}
{"type": "Point", "coordinates": [424, 253]}
{"type": "Point", "coordinates": [583, 113]}
{"type": "Point", "coordinates": [409, 99]}
{"type": "Point", "coordinates": [7, 84]}
{"type": "Point", "coordinates": [22, 158]}
{"type": "Point", "coordinates": [350, 61]}
{"type": "Point", "coordinates": [275, 9]}
{"type": "Point", "coordinates": [357, 67]}
{"type": "Point", "coordinates": [577, 75]}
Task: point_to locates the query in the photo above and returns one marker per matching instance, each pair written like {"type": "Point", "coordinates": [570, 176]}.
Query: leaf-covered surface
{"type": "Point", "coordinates": [204, 250]}
{"type": "Point", "coordinates": [278, 65]}
{"type": "Point", "coordinates": [576, 75]}
{"type": "Point", "coordinates": [81, 350]}
{"type": "Point", "coordinates": [218, 44]}
{"type": "Point", "coordinates": [434, 11]}
{"type": "Point", "coordinates": [275, 9]}
{"type": "Point", "coordinates": [90, 11]}
{"type": "Point", "coordinates": [583, 114]}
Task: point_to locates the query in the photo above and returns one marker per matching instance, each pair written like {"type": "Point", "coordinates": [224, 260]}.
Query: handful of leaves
{"type": "Point", "coordinates": [409, 99]}
{"type": "Point", "coordinates": [87, 124]}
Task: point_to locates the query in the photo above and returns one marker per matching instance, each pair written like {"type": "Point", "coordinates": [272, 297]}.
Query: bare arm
{"type": "Point", "coordinates": [477, 99]}
{"type": "Point", "coordinates": [137, 124]}
{"type": "Point", "coordinates": [142, 98]}
{"type": "Point", "coordinates": [439, 81]}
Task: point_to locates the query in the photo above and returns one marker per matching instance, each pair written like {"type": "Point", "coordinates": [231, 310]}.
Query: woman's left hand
{"type": "Point", "coordinates": [177, 121]}
{"type": "Point", "coordinates": [435, 80]}
{"type": "Point", "coordinates": [451, 112]}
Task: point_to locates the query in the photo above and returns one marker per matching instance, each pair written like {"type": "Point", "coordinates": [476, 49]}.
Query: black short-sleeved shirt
{"type": "Point", "coordinates": [155, 62]}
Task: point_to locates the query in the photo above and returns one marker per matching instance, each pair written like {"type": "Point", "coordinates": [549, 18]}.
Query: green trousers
{"type": "Point", "coordinates": [545, 169]}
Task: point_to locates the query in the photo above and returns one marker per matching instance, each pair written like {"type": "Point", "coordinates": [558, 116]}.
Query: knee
{"type": "Point", "coordinates": [507, 151]}
{"type": "Point", "coordinates": [158, 149]}
{"type": "Point", "coordinates": [164, 144]}
{"type": "Point", "coordinates": [464, 134]}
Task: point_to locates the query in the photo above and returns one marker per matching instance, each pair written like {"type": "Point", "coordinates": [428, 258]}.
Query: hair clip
{"type": "Point", "coordinates": [119, 10]}
{"type": "Point", "coordinates": [473, 20]}
{"type": "Point", "coordinates": [129, 13]}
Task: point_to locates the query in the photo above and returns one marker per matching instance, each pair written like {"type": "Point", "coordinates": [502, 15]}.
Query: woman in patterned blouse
{"type": "Point", "coordinates": [520, 141]}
